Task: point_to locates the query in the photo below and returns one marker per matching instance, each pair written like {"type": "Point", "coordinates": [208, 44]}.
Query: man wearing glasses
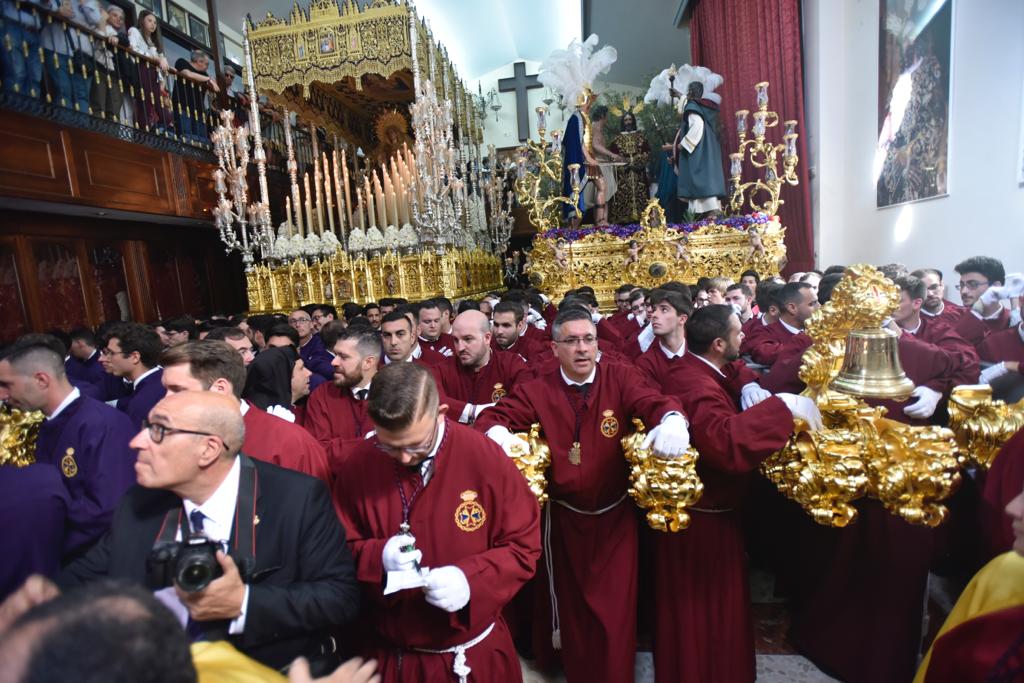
{"type": "Point", "coordinates": [982, 291]}
{"type": "Point", "coordinates": [585, 408]}
{"type": "Point", "coordinates": [311, 348]}
{"type": "Point", "coordinates": [935, 305]}
{"type": "Point", "coordinates": [433, 502]}
{"type": "Point", "coordinates": [132, 352]}
{"type": "Point", "coordinates": [84, 439]}
{"type": "Point", "coordinates": [296, 579]}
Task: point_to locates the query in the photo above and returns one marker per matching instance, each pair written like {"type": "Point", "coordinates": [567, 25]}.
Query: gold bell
{"type": "Point", "coordinates": [871, 366]}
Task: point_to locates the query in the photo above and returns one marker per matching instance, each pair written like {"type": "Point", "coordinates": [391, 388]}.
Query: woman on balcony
{"type": "Point", "coordinates": [151, 113]}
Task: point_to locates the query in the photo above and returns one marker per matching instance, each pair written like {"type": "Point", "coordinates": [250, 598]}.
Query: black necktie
{"type": "Point", "coordinates": [583, 389]}
{"type": "Point", "coordinates": [361, 394]}
{"type": "Point", "coordinates": [196, 519]}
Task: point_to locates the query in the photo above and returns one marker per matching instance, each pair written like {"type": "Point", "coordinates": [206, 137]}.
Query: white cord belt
{"type": "Point", "coordinates": [556, 631]}
{"type": "Point", "coordinates": [459, 665]}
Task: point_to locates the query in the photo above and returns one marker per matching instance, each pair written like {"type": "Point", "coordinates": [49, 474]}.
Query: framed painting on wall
{"type": "Point", "coordinates": [915, 44]}
{"type": "Point", "coordinates": [177, 17]}
{"type": "Point", "coordinates": [197, 29]}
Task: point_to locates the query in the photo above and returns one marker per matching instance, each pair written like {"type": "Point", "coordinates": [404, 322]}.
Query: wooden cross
{"type": "Point", "coordinates": [520, 83]}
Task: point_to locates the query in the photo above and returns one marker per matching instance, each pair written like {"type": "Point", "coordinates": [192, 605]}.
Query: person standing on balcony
{"type": "Point", "coordinates": [105, 94]}
{"type": "Point", "coordinates": [189, 96]}
{"type": "Point", "coordinates": [68, 51]}
{"type": "Point", "coordinates": [19, 32]}
{"type": "Point", "coordinates": [145, 40]}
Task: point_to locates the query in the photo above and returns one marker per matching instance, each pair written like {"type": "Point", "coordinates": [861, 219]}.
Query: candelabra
{"type": "Point", "coordinates": [254, 234]}
{"type": "Point", "coordinates": [500, 218]}
{"type": "Point", "coordinates": [438, 207]}
{"type": "Point", "coordinates": [530, 185]}
{"type": "Point", "coordinates": [763, 155]}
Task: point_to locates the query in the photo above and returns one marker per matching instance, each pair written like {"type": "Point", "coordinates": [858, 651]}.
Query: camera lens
{"type": "Point", "coordinates": [196, 567]}
{"type": "Point", "coordinates": [194, 577]}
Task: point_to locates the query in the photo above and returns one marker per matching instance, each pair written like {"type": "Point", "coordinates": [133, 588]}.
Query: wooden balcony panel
{"type": "Point", "coordinates": [33, 162]}
{"type": "Point", "coordinates": [122, 176]}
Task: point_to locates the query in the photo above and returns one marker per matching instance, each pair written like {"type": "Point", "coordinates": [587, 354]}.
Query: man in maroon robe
{"type": "Point", "coordinates": [211, 365]}
{"type": "Point", "coordinates": [797, 302]}
{"type": "Point", "coordinates": [400, 343]}
{"type": "Point", "coordinates": [435, 502]}
{"type": "Point", "coordinates": [585, 409]}
{"type": "Point", "coordinates": [981, 290]}
{"type": "Point", "coordinates": [476, 377]}
{"type": "Point", "coordinates": [936, 306]}
{"type": "Point", "coordinates": [703, 626]}
{"type": "Point", "coordinates": [934, 331]}
{"type": "Point", "coordinates": [508, 324]}
{"type": "Point", "coordinates": [336, 411]}
{"type": "Point", "coordinates": [432, 336]}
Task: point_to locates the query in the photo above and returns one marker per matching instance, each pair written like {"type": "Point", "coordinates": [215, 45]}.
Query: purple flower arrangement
{"type": "Point", "coordinates": [626, 231]}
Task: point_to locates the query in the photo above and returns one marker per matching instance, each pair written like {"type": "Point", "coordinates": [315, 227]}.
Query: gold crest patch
{"type": "Point", "coordinates": [470, 515]}
{"type": "Point", "coordinates": [68, 465]}
{"type": "Point", "coordinates": [499, 392]}
{"type": "Point", "coordinates": [609, 425]}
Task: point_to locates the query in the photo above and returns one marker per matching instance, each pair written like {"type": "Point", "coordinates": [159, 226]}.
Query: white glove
{"type": "Point", "coordinates": [671, 438]}
{"type": "Point", "coordinates": [394, 560]}
{"type": "Point", "coordinates": [509, 442]}
{"type": "Point", "coordinates": [991, 373]}
{"type": "Point", "coordinates": [804, 409]}
{"type": "Point", "coordinates": [1015, 317]}
{"type": "Point", "coordinates": [447, 588]}
{"type": "Point", "coordinates": [1014, 285]}
{"type": "Point", "coordinates": [446, 352]}
{"type": "Point", "coordinates": [545, 299]}
{"type": "Point", "coordinates": [925, 404]}
{"type": "Point", "coordinates": [990, 296]}
{"type": "Point", "coordinates": [630, 316]}
{"type": "Point", "coordinates": [596, 317]}
{"type": "Point", "coordinates": [751, 394]}
{"type": "Point", "coordinates": [641, 317]}
{"type": "Point", "coordinates": [646, 338]}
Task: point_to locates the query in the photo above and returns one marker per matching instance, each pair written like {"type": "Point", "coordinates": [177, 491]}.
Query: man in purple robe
{"type": "Point", "coordinates": [85, 439]}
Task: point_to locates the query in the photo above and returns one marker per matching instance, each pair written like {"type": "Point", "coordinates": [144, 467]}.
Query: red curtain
{"type": "Point", "coordinates": [749, 41]}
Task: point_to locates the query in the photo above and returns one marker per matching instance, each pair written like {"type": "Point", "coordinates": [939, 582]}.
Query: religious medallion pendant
{"type": "Point", "coordinates": [574, 453]}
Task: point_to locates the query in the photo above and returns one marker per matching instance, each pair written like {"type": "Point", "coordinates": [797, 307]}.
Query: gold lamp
{"type": "Point", "coordinates": [871, 366]}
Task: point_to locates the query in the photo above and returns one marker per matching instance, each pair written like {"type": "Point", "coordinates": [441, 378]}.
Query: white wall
{"type": "Point", "coordinates": [984, 211]}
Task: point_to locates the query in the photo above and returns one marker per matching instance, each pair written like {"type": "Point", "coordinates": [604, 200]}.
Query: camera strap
{"type": "Point", "coordinates": [244, 532]}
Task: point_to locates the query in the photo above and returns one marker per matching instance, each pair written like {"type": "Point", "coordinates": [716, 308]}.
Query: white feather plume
{"type": "Point", "coordinates": [659, 89]}
{"type": "Point", "coordinates": [569, 71]}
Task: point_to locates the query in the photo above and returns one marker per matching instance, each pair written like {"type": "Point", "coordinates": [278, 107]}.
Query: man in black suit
{"type": "Point", "coordinates": [297, 578]}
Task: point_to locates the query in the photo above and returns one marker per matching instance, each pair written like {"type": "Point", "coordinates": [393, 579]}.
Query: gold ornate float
{"type": "Point", "coordinates": [661, 486]}
{"type": "Point", "coordinates": [533, 464]}
{"type": "Point", "coordinates": [18, 434]}
{"type": "Point", "coordinates": [911, 470]}
{"type": "Point", "coordinates": [455, 274]}
{"type": "Point", "coordinates": [981, 424]}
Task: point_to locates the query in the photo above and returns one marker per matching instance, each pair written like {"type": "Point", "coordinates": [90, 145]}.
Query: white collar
{"type": "Point", "coordinates": [916, 328]}
{"type": "Point", "coordinates": [679, 353]}
{"type": "Point", "coordinates": [68, 400]}
{"type": "Point", "coordinates": [416, 353]}
{"type": "Point", "coordinates": [147, 373]}
{"type": "Point", "coordinates": [571, 382]}
{"type": "Point", "coordinates": [792, 330]}
{"type": "Point", "coordinates": [709, 363]}
{"type": "Point", "coordinates": [357, 389]}
{"type": "Point", "coordinates": [220, 507]}
{"type": "Point", "coordinates": [243, 406]}
{"type": "Point", "coordinates": [427, 466]}
{"type": "Point", "coordinates": [942, 307]}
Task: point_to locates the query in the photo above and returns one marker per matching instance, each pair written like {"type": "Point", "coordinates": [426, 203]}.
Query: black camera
{"type": "Point", "coordinates": [190, 564]}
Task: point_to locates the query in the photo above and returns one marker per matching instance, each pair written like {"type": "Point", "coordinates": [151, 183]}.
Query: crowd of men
{"type": "Point", "coordinates": [323, 485]}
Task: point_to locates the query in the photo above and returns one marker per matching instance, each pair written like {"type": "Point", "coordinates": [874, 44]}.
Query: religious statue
{"type": "Point", "coordinates": [562, 253]}
{"type": "Point", "coordinates": [756, 243]}
{"type": "Point", "coordinates": [633, 253]}
{"type": "Point", "coordinates": [632, 180]}
{"type": "Point", "coordinates": [681, 244]}
{"type": "Point", "coordinates": [392, 134]}
{"type": "Point", "coordinates": [699, 153]}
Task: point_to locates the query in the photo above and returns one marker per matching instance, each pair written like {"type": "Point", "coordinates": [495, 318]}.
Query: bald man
{"type": "Point", "coordinates": [476, 376]}
{"type": "Point", "coordinates": [287, 577]}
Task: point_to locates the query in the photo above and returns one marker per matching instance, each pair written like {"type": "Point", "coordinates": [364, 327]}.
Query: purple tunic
{"type": "Point", "coordinates": [100, 469]}
{"type": "Point", "coordinates": [146, 395]}
{"type": "Point", "coordinates": [33, 504]}
{"type": "Point", "coordinates": [317, 360]}
{"type": "Point", "coordinates": [89, 371]}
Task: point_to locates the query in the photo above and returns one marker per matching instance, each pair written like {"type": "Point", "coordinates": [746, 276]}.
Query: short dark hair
{"type": "Point", "coordinates": [921, 272]}
{"type": "Point", "coordinates": [263, 322]}
{"type": "Point", "coordinates": [468, 305]}
{"type": "Point", "coordinates": [371, 305]}
{"type": "Point", "coordinates": [444, 304]}
{"type": "Point", "coordinates": [681, 304]}
{"type": "Point", "coordinates": [986, 265]}
{"type": "Point", "coordinates": [638, 293]}
{"type": "Point", "coordinates": [223, 333]}
{"type": "Point", "coordinates": [400, 313]}
{"type": "Point", "coordinates": [825, 287]}
{"type": "Point", "coordinates": [913, 286]}
{"type": "Point", "coordinates": [136, 337]}
{"type": "Point", "coordinates": [400, 394]}
{"type": "Point", "coordinates": [744, 289]}
{"type": "Point", "coordinates": [834, 269]}
{"type": "Point", "coordinates": [106, 631]}
{"type": "Point", "coordinates": [767, 294]}
{"type": "Point", "coordinates": [568, 314]}
{"type": "Point", "coordinates": [367, 339]}
{"type": "Point", "coordinates": [84, 334]}
{"type": "Point", "coordinates": [791, 293]}
{"type": "Point", "coordinates": [208, 360]}
{"type": "Point", "coordinates": [350, 309]}
{"type": "Point", "coordinates": [706, 325]}
{"type": "Point", "coordinates": [513, 307]}
{"type": "Point", "coordinates": [751, 273]}
{"type": "Point", "coordinates": [426, 306]}
{"type": "Point", "coordinates": [326, 309]}
{"type": "Point", "coordinates": [44, 349]}
{"type": "Point", "coordinates": [181, 324]}
{"type": "Point", "coordinates": [283, 331]}
{"type": "Point", "coordinates": [624, 289]}
{"type": "Point", "coordinates": [330, 332]}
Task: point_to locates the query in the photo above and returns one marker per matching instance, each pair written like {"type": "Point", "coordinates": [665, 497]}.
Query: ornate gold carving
{"type": "Point", "coordinates": [980, 424]}
{"type": "Point", "coordinates": [18, 433]}
{"type": "Point", "coordinates": [663, 487]}
{"type": "Point", "coordinates": [534, 463]}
